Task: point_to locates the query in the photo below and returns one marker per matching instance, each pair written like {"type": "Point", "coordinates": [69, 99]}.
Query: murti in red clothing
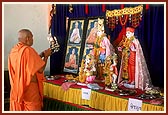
{"type": "Point", "coordinates": [133, 66]}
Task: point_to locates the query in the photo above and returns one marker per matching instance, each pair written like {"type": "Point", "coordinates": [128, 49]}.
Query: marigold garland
{"type": "Point", "coordinates": [125, 18]}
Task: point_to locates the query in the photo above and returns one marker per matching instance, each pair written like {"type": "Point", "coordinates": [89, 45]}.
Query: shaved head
{"type": "Point", "coordinates": [25, 36]}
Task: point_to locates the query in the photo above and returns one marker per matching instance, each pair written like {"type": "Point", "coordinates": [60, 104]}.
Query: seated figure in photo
{"type": "Point", "coordinates": [72, 61]}
{"type": "Point", "coordinates": [75, 36]}
{"type": "Point", "coordinates": [93, 34]}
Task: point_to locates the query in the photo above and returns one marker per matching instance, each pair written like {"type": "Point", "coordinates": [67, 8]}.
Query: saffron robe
{"type": "Point", "coordinates": [72, 62]}
{"type": "Point", "coordinates": [92, 36]}
{"type": "Point", "coordinates": [23, 64]}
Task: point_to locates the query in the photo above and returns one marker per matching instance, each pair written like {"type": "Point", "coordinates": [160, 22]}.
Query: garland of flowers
{"type": "Point", "coordinates": [125, 54]}
{"type": "Point", "coordinates": [123, 18]}
{"type": "Point", "coordinates": [136, 18]}
{"type": "Point", "coordinates": [107, 72]}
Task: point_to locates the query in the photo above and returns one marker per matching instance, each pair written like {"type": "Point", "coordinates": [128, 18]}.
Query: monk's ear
{"type": "Point", "coordinates": [27, 39]}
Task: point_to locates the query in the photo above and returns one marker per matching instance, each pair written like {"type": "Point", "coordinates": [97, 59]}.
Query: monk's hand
{"type": "Point", "coordinates": [47, 52]}
{"type": "Point", "coordinates": [41, 54]}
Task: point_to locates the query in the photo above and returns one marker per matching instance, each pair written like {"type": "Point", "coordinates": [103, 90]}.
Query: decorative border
{"type": "Point", "coordinates": [124, 11]}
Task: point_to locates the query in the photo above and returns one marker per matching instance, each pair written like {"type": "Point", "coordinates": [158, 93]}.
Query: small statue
{"type": "Point", "coordinates": [89, 68]}
{"type": "Point", "coordinates": [102, 48]}
{"type": "Point", "coordinates": [113, 68]}
{"type": "Point", "coordinates": [110, 71]}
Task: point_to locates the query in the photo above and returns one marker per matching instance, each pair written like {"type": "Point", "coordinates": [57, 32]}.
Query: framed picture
{"type": "Point", "coordinates": [75, 33]}
{"type": "Point", "coordinates": [72, 59]}
{"type": "Point", "coordinates": [91, 34]}
{"type": "Point", "coordinates": [74, 45]}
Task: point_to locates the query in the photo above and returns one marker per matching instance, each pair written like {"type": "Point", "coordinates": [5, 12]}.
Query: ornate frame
{"type": "Point", "coordinates": [74, 41]}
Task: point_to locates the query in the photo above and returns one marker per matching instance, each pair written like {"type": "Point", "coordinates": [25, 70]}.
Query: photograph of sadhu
{"type": "Point", "coordinates": [71, 59]}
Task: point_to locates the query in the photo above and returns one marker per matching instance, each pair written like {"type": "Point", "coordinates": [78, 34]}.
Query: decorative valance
{"type": "Point", "coordinates": [134, 15]}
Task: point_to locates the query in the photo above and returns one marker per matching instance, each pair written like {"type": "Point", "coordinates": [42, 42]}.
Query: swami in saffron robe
{"type": "Point", "coordinates": [26, 82]}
